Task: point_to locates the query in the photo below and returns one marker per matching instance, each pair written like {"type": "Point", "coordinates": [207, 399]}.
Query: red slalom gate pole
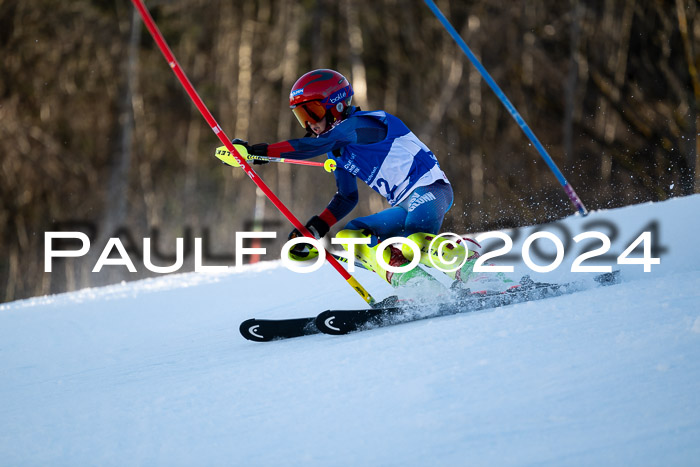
{"type": "Point", "coordinates": [167, 53]}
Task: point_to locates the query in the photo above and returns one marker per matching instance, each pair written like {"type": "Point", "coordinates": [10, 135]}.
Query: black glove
{"type": "Point", "coordinates": [316, 226]}
{"type": "Point", "coordinates": [259, 149]}
{"type": "Point", "coordinates": [241, 142]}
{"type": "Point", "coordinates": [256, 150]}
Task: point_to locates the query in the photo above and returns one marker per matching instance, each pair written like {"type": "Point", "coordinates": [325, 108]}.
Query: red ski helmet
{"type": "Point", "coordinates": [318, 94]}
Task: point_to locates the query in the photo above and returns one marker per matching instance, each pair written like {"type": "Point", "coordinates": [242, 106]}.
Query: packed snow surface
{"type": "Point", "coordinates": [155, 372]}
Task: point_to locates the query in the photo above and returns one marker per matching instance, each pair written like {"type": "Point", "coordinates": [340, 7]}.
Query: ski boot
{"type": "Point", "coordinates": [444, 254]}
{"type": "Point", "coordinates": [367, 256]}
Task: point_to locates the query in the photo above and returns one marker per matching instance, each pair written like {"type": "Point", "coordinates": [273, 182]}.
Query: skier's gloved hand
{"type": "Point", "coordinates": [259, 149]}
{"type": "Point", "coordinates": [317, 226]}
{"type": "Point", "coordinates": [254, 150]}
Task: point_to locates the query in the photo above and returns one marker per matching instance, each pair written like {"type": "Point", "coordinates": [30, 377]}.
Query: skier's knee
{"type": "Point", "coordinates": [351, 234]}
{"type": "Point", "coordinates": [441, 249]}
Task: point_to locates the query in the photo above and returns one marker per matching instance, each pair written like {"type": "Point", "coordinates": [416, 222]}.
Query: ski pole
{"type": "Point", "coordinates": [329, 165]}
{"type": "Point", "coordinates": [175, 66]}
{"type": "Point", "coordinates": [575, 200]}
{"type": "Point", "coordinates": [226, 157]}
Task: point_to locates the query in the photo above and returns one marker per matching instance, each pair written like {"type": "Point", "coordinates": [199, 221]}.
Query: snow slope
{"type": "Point", "coordinates": [155, 372]}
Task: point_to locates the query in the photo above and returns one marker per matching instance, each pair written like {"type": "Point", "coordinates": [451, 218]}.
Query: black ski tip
{"type": "Point", "coordinates": [266, 330]}
{"type": "Point", "coordinates": [339, 322]}
{"type": "Point", "coordinates": [330, 322]}
{"type": "Point", "coordinates": [250, 329]}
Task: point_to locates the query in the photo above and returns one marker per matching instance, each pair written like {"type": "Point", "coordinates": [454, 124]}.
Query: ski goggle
{"type": "Point", "coordinates": [309, 112]}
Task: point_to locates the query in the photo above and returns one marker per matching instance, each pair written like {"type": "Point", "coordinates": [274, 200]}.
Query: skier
{"type": "Point", "coordinates": [379, 149]}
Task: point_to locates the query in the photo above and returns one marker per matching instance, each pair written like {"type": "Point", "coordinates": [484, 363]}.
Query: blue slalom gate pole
{"type": "Point", "coordinates": [511, 109]}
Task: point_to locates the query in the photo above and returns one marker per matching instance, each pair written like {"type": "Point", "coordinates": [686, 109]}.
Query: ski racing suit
{"type": "Point", "coordinates": [379, 149]}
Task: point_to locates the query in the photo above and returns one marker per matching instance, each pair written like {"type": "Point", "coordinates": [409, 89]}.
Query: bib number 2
{"type": "Point", "coordinates": [385, 189]}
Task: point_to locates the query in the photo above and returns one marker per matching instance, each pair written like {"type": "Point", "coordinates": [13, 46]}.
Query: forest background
{"type": "Point", "coordinates": [98, 136]}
